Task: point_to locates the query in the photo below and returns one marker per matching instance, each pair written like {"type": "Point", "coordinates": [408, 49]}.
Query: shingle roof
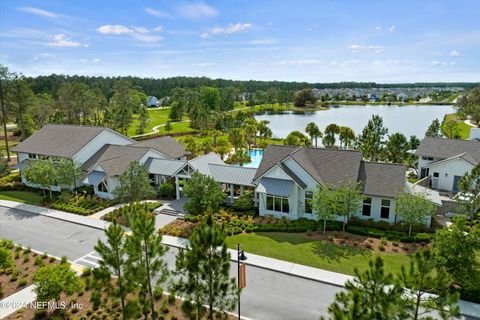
{"type": "Point", "coordinates": [382, 179]}
{"type": "Point", "coordinates": [164, 167]}
{"type": "Point", "coordinates": [330, 166]}
{"type": "Point", "coordinates": [232, 174]}
{"type": "Point", "coordinates": [115, 159]}
{"type": "Point", "coordinates": [202, 164]}
{"type": "Point", "coordinates": [446, 148]}
{"type": "Point", "coordinates": [59, 140]}
{"type": "Point", "coordinates": [166, 145]}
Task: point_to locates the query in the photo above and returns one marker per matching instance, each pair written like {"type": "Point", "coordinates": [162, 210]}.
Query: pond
{"type": "Point", "coordinates": [407, 119]}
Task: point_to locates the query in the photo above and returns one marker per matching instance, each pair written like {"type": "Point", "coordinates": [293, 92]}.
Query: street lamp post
{"type": "Point", "coordinates": [240, 257]}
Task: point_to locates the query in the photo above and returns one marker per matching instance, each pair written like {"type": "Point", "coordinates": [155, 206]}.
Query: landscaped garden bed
{"type": "Point", "coordinates": [119, 216]}
{"type": "Point", "coordinates": [80, 204]}
{"type": "Point", "coordinates": [26, 262]}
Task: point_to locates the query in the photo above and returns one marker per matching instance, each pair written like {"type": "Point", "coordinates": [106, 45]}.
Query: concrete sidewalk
{"type": "Point", "coordinates": [16, 301]}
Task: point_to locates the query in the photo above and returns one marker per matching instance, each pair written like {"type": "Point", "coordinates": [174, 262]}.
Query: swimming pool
{"type": "Point", "coordinates": [256, 156]}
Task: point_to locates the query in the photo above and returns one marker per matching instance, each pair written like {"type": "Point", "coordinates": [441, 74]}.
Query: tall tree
{"type": "Point", "coordinates": [41, 173]}
{"type": "Point", "coordinates": [19, 98]}
{"type": "Point", "coordinates": [304, 98]}
{"type": "Point", "coordinates": [241, 157]}
{"type": "Point", "coordinates": [223, 147]}
{"type": "Point", "coordinates": [204, 194]}
{"type": "Point", "coordinates": [433, 129]}
{"type": "Point", "coordinates": [135, 184]}
{"type": "Point", "coordinates": [204, 271]}
{"type": "Point", "coordinates": [324, 204]}
{"type": "Point", "coordinates": [469, 105]}
{"type": "Point", "coordinates": [414, 208]}
{"type": "Point", "coordinates": [145, 255]}
{"type": "Point", "coordinates": [396, 149]}
{"type": "Point", "coordinates": [371, 140]}
{"type": "Point", "coordinates": [350, 199]}
{"type": "Point", "coordinates": [143, 118]}
{"type": "Point", "coordinates": [68, 172]}
{"type": "Point", "coordinates": [455, 250]}
{"type": "Point", "coordinates": [313, 131]}
{"type": "Point", "coordinates": [372, 295]}
{"type": "Point", "coordinates": [427, 288]}
{"type": "Point", "coordinates": [329, 137]}
{"type": "Point", "coordinates": [346, 136]}
{"type": "Point", "coordinates": [113, 262]}
{"type": "Point", "coordinates": [263, 129]}
{"type": "Point", "coordinates": [235, 137]}
{"type": "Point", "coordinates": [4, 77]}
{"type": "Point", "coordinates": [251, 128]}
{"type": "Point", "coordinates": [451, 130]}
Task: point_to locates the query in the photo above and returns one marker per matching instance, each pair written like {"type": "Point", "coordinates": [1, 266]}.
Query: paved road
{"type": "Point", "coordinates": [268, 295]}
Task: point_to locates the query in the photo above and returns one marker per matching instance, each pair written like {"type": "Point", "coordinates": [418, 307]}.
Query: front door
{"type": "Point", "coordinates": [456, 179]}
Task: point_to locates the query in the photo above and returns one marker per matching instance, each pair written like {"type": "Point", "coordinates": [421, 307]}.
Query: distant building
{"type": "Point", "coordinates": [402, 97]}
{"type": "Point", "coordinates": [152, 102]}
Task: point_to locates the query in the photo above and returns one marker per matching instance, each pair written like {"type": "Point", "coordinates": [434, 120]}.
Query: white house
{"type": "Point", "coordinates": [102, 153]}
{"type": "Point", "coordinates": [287, 177]}
{"type": "Point", "coordinates": [445, 161]}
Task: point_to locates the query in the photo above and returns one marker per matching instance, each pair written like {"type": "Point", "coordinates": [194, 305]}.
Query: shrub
{"type": "Point", "coordinates": [172, 297]}
{"type": "Point", "coordinates": [244, 202]}
{"type": "Point", "coordinates": [395, 243]}
{"type": "Point", "coordinates": [28, 250]}
{"type": "Point", "coordinates": [64, 260]}
{"type": "Point", "coordinates": [38, 261]}
{"type": "Point", "coordinates": [164, 308]}
{"type": "Point", "coordinates": [52, 259]}
{"type": "Point", "coordinates": [87, 272]}
{"type": "Point", "coordinates": [26, 259]}
{"type": "Point", "coordinates": [22, 282]}
{"type": "Point", "coordinates": [158, 292]}
{"type": "Point", "coordinates": [167, 190]}
{"type": "Point", "coordinates": [381, 247]}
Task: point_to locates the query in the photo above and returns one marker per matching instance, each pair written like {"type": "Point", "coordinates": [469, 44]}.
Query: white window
{"type": "Point", "coordinates": [385, 209]}
{"type": "Point", "coordinates": [277, 203]}
{"type": "Point", "coordinates": [367, 207]}
{"type": "Point", "coordinates": [308, 202]}
{"type": "Point", "coordinates": [103, 187]}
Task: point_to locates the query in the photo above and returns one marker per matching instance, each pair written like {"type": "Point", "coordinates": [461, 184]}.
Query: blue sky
{"type": "Point", "coordinates": [315, 41]}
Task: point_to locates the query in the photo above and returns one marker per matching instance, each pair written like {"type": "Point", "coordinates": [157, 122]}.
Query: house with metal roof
{"type": "Point", "coordinates": [288, 175]}
{"type": "Point", "coordinates": [444, 161]}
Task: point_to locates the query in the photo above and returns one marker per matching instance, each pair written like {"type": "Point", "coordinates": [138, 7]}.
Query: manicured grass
{"type": "Point", "coordinates": [462, 126]}
{"type": "Point", "coordinates": [177, 127]}
{"type": "Point", "coordinates": [300, 249]}
{"type": "Point", "coordinates": [157, 117]}
{"type": "Point", "coordinates": [22, 196]}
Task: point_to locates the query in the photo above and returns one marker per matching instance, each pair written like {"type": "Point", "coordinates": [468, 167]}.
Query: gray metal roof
{"type": "Point", "coordinates": [446, 148]}
{"type": "Point", "coordinates": [232, 174]}
{"type": "Point", "coordinates": [166, 145]}
{"type": "Point", "coordinates": [382, 179]}
{"type": "Point", "coordinates": [94, 178]}
{"type": "Point", "coordinates": [59, 140]}
{"type": "Point", "coordinates": [277, 187]}
{"type": "Point", "coordinates": [430, 194]}
{"type": "Point", "coordinates": [164, 167]}
{"type": "Point", "coordinates": [202, 163]}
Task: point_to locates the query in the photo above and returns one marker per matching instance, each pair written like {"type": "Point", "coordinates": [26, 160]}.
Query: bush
{"type": "Point", "coordinates": [381, 247]}
{"type": "Point", "coordinates": [172, 297]}
{"type": "Point", "coordinates": [244, 203]}
{"type": "Point", "coordinates": [22, 282]}
{"type": "Point", "coordinates": [38, 261]}
{"type": "Point", "coordinates": [167, 190]}
{"type": "Point", "coordinates": [389, 234]}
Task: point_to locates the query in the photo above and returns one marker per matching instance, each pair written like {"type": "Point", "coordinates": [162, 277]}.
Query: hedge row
{"type": "Point", "coordinates": [389, 234]}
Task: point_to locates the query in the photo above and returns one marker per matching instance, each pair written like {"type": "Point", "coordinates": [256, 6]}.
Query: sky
{"type": "Point", "coordinates": [384, 41]}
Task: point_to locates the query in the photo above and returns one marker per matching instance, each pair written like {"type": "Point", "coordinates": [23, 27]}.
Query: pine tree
{"type": "Point", "coordinates": [134, 184]}
{"type": "Point", "coordinates": [145, 255]}
{"type": "Point", "coordinates": [433, 129]}
{"type": "Point", "coordinates": [114, 263]}
{"type": "Point", "coordinates": [371, 295]}
{"type": "Point", "coordinates": [371, 140]}
{"type": "Point", "coordinates": [427, 288]}
{"type": "Point", "coordinates": [204, 271]}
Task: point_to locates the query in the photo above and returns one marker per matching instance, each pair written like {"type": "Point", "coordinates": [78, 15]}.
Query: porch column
{"type": "Point", "coordinates": [231, 193]}
{"type": "Point", "coordinates": [177, 187]}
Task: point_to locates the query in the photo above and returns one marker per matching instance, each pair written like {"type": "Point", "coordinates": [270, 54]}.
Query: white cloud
{"type": "Point", "coordinates": [443, 63]}
{"type": "Point", "coordinates": [138, 33]}
{"type": "Point", "coordinates": [302, 62]}
{"type": "Point", "coordinates": [454, 53]}
{"type": "Point", "coordinates": [371, 47]}
{"type": "Point", "coordinates": [378, 28]}
{"type": "Point", "coordinates": [39, 12]}
{"type": "Point", "coordinates": [158, 29]}
{"type": "Point", "coordinates": [157, 13]}
{"type": "Point", "coordinates": [393, 28]}
{"type": "Point", "coordinates": [96, 60]}
{"type": "Point", "coordinates": [116, 29]}
{"type": "Point", "coordinates": [61, 40]}
{"type": "Point", "coordinates": [196, 11]}
{"type": "Point", "coordinates": [232, 28]}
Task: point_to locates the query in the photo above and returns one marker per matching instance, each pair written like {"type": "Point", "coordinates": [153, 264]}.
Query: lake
{"type": "Point", "coordinates": [407, 119]}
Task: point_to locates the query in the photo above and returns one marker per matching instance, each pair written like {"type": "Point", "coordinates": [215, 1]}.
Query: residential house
{"type": "Point", "coordinates": [287, 177]}
{"type": "Point", "coordinates": [445, 161]}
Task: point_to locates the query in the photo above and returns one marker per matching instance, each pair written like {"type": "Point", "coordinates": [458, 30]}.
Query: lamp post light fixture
{"type": "Point", "coordinates": [240, 257]}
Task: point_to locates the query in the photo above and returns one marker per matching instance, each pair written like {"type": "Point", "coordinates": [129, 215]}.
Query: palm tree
{"type": "Point", "coordinates": [235, 136]}
{"type": "Point", "coordinates": [214, 133]}
{"type": "Point", "coordinates": [346, 137]}
{"type": "Point", "coordinates": [251, 128]}
{"type": "Point", "coordinates": [241, 157]}
{"type": "Point", "coordinates": [314, 132]}
{"type": "Point", "coordinates": [329, 138]}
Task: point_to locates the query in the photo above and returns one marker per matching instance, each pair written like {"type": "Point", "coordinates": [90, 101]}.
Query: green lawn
{"type": "Point", "coordinates": [319, 254]}
{"type": "Point", "coordinates": [22, 196]}
{"type": "Point", "coordinates": [462, 126]}
{"type": "Point", "coordinates": [157, 117]}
